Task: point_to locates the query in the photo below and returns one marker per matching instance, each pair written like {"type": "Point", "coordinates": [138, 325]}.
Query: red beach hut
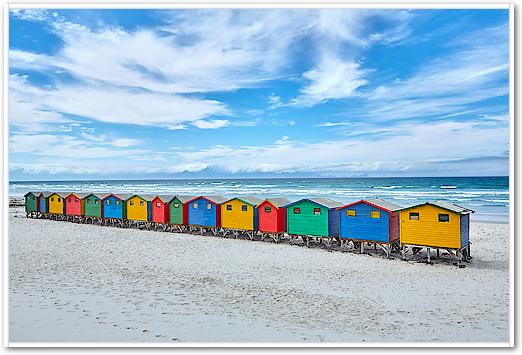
{"type": "Point", "coordinates": [160, 208]}
{"type": "Point", "coordinates": [73, 205]}
{"type": "Point", "coordinates": [272, 215]}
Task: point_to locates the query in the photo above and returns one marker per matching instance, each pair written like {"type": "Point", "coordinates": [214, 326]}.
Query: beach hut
{"type": "Point", "coordinates": [271, 215]}
{"type": "Point", "coordinates": [313, 217]}
{"type": "Point", "coordinates": [73, 206]}
{"type": "Point", "coordinates": [113, 208]}
{"type": "Point", "coordinates": [56, 204]}
{"type": "Point", "coordinates": [43, 205]}
{"type": "Point", "coordinates": [138, 207]}
{"type": "Point", "coordinates": [240, 213]}
{"type": "Point", "coordinates": [370, 221]}
{"type": "Point", "coordinates": [160, 212]}
{"type": "Point", "coordinates": [178, 209]}
{"type": "Point", "coordinates": [32, 203]}
{"type": "Point", "coordinates": [205, 212]}
{"type": "Point", "coordinates": [92, 206]}
{"type": "Point", "coordinates": [438, 225]}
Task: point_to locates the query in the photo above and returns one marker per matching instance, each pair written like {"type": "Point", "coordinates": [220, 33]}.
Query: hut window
{"type": "Point", "coordinates": [414, 216]}
{"type": "Point", "coordinates": [229, 207]}
{"type": "Point", "coordinates": [131, 203]}
{"type": "Point", "coordinates": [33, 198]}
{"type": "Point", "coordinates": [88, 200]}
{"type": "Point", "coordinates": [96, 202]}
{"type": "Point", "coordinates": [195, 205]}
{"type": "Point", "coordinates": [158, 204]}
{"type": "Point", "coordinates": [443, 217]}
{"type": "Point", "coordinates": [297, 210]}
{"type": "Point", "coordinates": [52, 199]}
{"type": "Point", "coordinates": [376, 214]}
{"type": "Point", "coordinates": [317, 211]}
{"type": "Point", "coordinates": [109, 202]}
{"type": "Point", "coordinates": [117, 202]}
{"type": "Point", "coordinates": [75, 200]}
{"type": "Point", "coordinates": [209, 206]}
{"type": "Point", "coordinates": [176, 205]}
{"type": "Point", "coordinates": [268, 209]}
{"type": "Point", "coordinates": [69, 199]}
{"type": "Point", "coordinates": [141, 203]}
{"type": "Point", "coordinates": [244, 208]}
{"type": "Point", "coordinates": [59, 199]}
{"type": "Point", "coordinates": [350, 213]}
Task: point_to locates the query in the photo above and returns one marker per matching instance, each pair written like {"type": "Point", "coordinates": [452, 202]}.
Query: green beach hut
{"type": "Point", "coordinates": [32, 200]}
{"type": "Point", "coordinates": [313, 217]}
{"type": "Point", "coordinates": [92, 204]}
{"type": "Point", "coordinates": [178, 209]}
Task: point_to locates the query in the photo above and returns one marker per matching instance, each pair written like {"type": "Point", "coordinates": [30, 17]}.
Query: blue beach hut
{"type": "Point", "coordinates": [204, 211]}
{"type": "Point", "coordinates": [371, 220]}
{"type": "Point", "coordinates": [113, 206]}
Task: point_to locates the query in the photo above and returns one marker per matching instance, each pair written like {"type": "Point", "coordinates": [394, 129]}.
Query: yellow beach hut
{"type": "Point", "coordinates": [56, 203]}
{"type": "Point", "coordinates": [137, 208]}
{"type": "Point", "coordinates": [438, 225]}
{"type": "Point", "coordinates": [240, 213]}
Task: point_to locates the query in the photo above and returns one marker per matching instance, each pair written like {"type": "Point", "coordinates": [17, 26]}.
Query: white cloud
{"type": "Point", "coordinates": [125, 142]}
{"type": "Point", "coordinates": [30, 104]}
{"type": "Point", "coordinates": [332, 79]}
{"type": "Point", "coordinates": [211, 124]}
{"type": "Point", "coordinates": [333, 124]}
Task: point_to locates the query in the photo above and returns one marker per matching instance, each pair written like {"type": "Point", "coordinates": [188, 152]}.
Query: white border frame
{"type": "Point", "coordinates": [266, 5]}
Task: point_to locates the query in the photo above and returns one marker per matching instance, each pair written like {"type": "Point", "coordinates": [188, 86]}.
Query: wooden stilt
{"type": "Point", "coordinates": [429, 254]}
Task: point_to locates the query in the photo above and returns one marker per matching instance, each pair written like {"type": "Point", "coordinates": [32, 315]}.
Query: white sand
{"type": "Point", "coordinates": [83, 283]}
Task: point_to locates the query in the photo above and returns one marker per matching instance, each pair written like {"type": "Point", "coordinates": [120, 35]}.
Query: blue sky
{"type": "Point", "coordinates": [97, 94]}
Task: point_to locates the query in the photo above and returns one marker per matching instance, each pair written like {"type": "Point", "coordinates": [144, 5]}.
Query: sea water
{"type": "Point", "coordinates": [487, 196]}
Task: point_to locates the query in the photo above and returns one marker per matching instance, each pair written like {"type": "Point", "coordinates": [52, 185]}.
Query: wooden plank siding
{"type": "Point", "coordinates": [31, 202]}
{"type": "Point", "coordinates": [306, 222]}
{"type": "Point", "coordinates": [113, 207]}
{"type": "Point", "coordinates": [137, 208]}
{"type": "Point", "coordinates": [238, 214]}
{"type": "Point", "coordinates": [56, 204]}
{"type": "Point", "coordinates": [428, 231]}
{"type": "Point", "coordinates": [92, 206]}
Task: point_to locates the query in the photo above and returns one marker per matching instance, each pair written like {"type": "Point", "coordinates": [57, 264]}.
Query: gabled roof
{"type": "Point", "coordinates": [183, 198]}
{"type": "Point", "coordinates": [123, 197]}
{"type": "Point", "coordinates": [375, 202]}
{"type": "Point", "coordinates": [47, 193]}
{"type": "Point", "coordinates": [36, 193]}
{"type": "Point", "coordinates": [321, 201]}
{"type": "Point", "coordinates": [249, 200]}
{"type": "Point", "coordinates": [275, 201]}
{"type": "Point", "coordinates": [444, 205]}
{"type": "Point", "coordinates": [101, 196]}
{"type": "Point", "coordinates": [62, 194]}
{"type": "Point", "coordinates": [84, 195]}
{"type": "Point", "coordinates": [106, 195]}
{"type": "Point", "coordinates": [164, 198]}
{"type": "Point", "coordinates": [215, 199]}
{"type": "Point", "coordinates": [146, 197]}
{"type": "Point", "coordinates": [72, 193]}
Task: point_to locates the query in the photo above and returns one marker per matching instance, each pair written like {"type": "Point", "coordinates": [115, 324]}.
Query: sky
{"type": "Point", "coordinates": [137, 94]}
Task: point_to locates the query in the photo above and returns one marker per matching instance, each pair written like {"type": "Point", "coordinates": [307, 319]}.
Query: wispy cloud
{"type": "Point", "coordinates": [211, 124]}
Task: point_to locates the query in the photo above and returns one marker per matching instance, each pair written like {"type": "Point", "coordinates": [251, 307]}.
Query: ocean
{"type": "Point", "coordinates": [487, 196]}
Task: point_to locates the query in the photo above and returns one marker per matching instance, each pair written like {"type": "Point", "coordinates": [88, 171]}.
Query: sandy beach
{"type": "Point", "coordinates": [85, 283]}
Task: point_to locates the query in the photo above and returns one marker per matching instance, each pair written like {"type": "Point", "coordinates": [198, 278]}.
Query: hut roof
{"type": "Point", "coordinates": [123, 197]}
{"type": "Point", "coordinates": [164, 198]}
{"type": "Point", "coordinates": [146, 197]}
{"type": "Point", "coordinates": [36, 193]}
{"type": "Point", "coordinates": [276, 201]}
{"type": "Point", "coordinates": [62, 194]}
{"type": "Point", "coordinates": [84, 195]}
{"type": "Point", "coordinates": [250, 200]}
{"type": "Point", "coordinates": [217, 199]}
{"type": "Point", "coordinates": [376, 202]}
{"type": "Point", "coordinates": [322, 201]}
{"type": "Point", "coordinates": [47, 193]}
{"type": "Point", "coordinates": [444, 205]}
{"type": "Point", "coordinates": [183, 198]}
